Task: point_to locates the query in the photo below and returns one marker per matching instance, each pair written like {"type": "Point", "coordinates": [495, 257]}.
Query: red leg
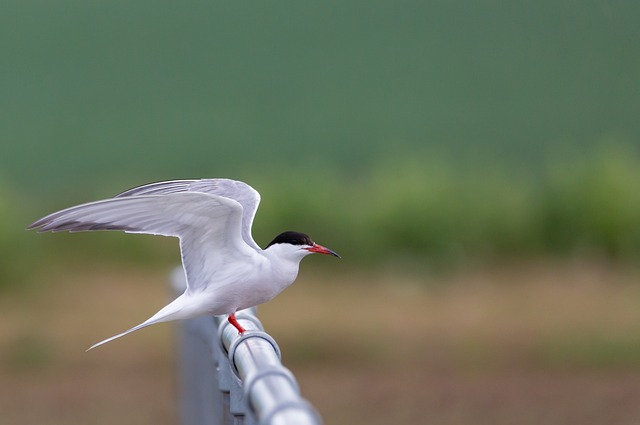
{"type": "Point", "coordinates": [234, 322]}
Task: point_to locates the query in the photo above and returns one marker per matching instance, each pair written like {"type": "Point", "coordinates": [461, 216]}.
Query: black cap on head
{"type": "Point", "coordinates": [293, 238]}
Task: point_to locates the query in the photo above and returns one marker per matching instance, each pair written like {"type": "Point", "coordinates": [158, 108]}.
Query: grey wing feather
{"type": "Point", "coordinates": [158, 188]}
{"type": "Point", "coordinates": [168, 215]}
{"type": "Point", "coordinates": [100, 215]}
{"type": "Point", "coordinates": [208, 226]}
{"type": "Point", "coordinates": [239, 191]}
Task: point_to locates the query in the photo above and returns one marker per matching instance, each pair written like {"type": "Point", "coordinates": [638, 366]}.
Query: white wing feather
{"type": "Point", "coordinates": [208, 226]}
{"type": "Point", "coordinates": [239, 191]}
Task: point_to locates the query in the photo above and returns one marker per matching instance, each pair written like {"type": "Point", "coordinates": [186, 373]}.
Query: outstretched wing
{"type": "Point", "coordinates": [209, 227]}
{"type": "Point", "coordinates": [239, 191]}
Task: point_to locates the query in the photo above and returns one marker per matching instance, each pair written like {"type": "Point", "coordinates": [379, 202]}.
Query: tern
{"type": "Point", "coordinates": [225, 269]}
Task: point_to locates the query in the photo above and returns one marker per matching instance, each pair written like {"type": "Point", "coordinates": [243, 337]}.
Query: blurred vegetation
{"type": "Point", "coordinates": [113, 93]}
{"type": "Point", "coordinates": [431, 134]}
{"type": "Point", "coordinates": [407, 136]}
{"type": "Point", "coordinates": [440, 213]}
{"type": "Point", "coordinates": [416, 211]}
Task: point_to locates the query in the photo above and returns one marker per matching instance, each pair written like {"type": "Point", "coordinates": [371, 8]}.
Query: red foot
{"type": "Point", "coordinates": [234, 322]}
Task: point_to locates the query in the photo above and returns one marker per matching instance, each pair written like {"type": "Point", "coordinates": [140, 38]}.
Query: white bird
{"type": "Point", "coordinates": [225, 269]}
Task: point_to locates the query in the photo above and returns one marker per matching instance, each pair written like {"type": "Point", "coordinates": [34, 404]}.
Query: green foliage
{"type": "Point", "coordinates": [98, 96]}
{"type": "Point", "coordinates": [154, 90]}
{"type": "Point", "coordinates": [430, 212]}
{"type": "Point", "coordinates": [16, 249]}
{"type": "Point", "coordinates": [441, 213]}
{"type": "Point", "coordinates": [594, 204]}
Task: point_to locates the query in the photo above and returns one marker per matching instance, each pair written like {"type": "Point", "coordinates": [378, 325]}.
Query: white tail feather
{"type": "Point", "coordinates": [135, 328]}
{"type": "Point", "coordinates": [172, 311]}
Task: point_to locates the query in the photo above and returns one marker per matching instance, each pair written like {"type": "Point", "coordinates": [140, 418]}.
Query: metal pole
{"type": "Point", "coordinates": [227, 378]}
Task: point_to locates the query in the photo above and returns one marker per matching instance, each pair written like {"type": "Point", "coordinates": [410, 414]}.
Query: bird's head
{"type": "Point", "coordinates": [298, 245]}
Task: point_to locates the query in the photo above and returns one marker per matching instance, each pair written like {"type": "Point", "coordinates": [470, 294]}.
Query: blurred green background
{"type": "Point", "coordinates": [421, 137]}
{"type": "Point", "coordinates": [456, 130]}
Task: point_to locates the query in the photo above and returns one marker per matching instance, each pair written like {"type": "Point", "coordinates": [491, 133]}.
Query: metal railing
{"type": "Point", "coordinates": [227, 378]}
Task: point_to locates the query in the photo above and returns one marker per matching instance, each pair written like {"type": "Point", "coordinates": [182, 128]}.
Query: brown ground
{"type": "Point", "coordinates": [550, 344]}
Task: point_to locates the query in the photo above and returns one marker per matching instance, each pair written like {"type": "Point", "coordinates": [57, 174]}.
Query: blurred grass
{"type": "Point", "coordinates": [412, 211]}
{"type": "Point", "coordinates": [528, 343]}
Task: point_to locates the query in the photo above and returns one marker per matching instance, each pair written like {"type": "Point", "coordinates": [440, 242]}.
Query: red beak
{"type": "Point", "coordinates": [321, 250]}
